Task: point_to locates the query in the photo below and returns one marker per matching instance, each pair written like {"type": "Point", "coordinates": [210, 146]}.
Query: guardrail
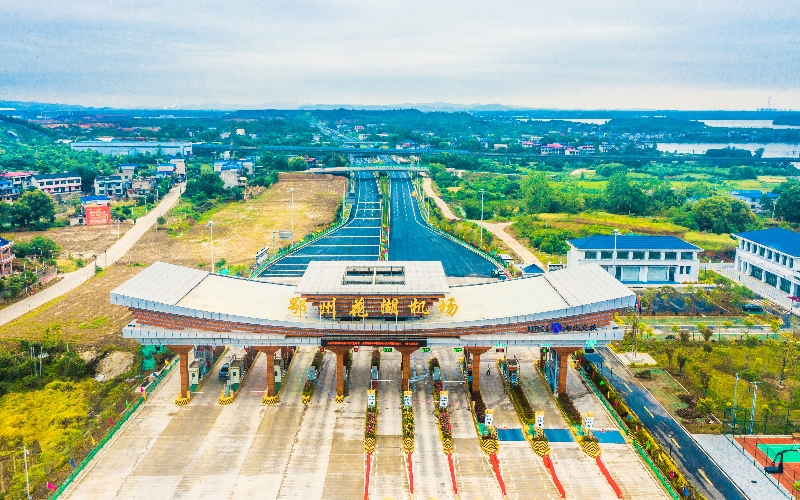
{"type": "Point", "coordinates": [294, 248]}
{"type": "Point", "coordinates": [465, 244]}
{"type": "Point", "coordinates": [125, 416]}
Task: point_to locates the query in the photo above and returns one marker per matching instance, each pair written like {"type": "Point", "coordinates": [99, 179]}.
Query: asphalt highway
{"type": "Point", "coordinates": [410, 238]}
{"type": "Point", "coordinates": [358, 239]}
{"type": "Point", "coordinates": [701, 470]}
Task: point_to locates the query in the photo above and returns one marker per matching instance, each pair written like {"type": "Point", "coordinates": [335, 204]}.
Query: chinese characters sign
{"type": "Point", "coordinates": [372, 307]}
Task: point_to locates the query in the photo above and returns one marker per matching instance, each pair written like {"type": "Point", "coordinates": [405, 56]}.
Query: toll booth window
{"type": "Point", "coordinates": [374, 275]}
{"type": "Point", "coordinates": [622, 255]}
{"type": "Point", "coordinates": [638, 255]}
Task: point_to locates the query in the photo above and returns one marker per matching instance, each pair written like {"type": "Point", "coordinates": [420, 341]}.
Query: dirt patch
{"type": "Point", "coordinates": [78, 241]}
{"type": "Point", "coordinates": [242, 229]}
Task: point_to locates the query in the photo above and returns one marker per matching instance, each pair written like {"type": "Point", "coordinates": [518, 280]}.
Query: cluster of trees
{"type": "Point", "coordinates": [13, 286]}
{"type": "Point", "coordinates": [38, 246]}
{"type": "Point", "coordinates": [788, 204]}
{"type": "Point", "coordinates": [718, 214]}
{"type": "Point", "coordinates": [33, 210]}
{"type": "Point", "coordinates": [209, 188]}
{"type": "Point", "coordinates": [548, 240]}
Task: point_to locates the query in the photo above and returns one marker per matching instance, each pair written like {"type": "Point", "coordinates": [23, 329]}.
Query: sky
{"type": "Point", "coordinates": [615, 54]}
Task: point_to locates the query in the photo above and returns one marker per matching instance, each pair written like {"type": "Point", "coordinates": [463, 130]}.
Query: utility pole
{"type": "Point", "coordinates": [291, 190]}
{"type": "Point", "coordinates": [211, 230]}
{"type": "Point", "coordinates": [481, 218]}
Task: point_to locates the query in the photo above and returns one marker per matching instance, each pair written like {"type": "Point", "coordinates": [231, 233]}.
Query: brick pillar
{"type": "Point", "coordinates": [405, 365]}
{"type": "Point", "coordinates": [183, 352]}
{"type": "Point", "coordinates": [563, 358]}
{"type": "Point", "coordinates": [340, 352]}
{"type": "Point", "coordinates": [269, 352]}
{"type": "Point", "coordinates": [476, 352]}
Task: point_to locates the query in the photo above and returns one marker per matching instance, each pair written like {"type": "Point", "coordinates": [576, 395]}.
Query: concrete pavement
{"type": "Point", "coordinates": [523, 471]}
{"type": "Point", "coordinates": [474, 474]}
{"type": "Point", "coordinates": [427, 186]}
{"type": "Point", "coordinates": [431, 471]}
{"type": "Point", "coordinates": [389, 467]}
{"type": "Point", "coordinates": [70, 281]}
{"type": "Point", "coordinates": [499, 229]}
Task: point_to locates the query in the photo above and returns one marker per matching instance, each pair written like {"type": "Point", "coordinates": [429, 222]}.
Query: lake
{"type": "Point", "coordinates": [745, 124]}
{"type": "Point", "coordinates": [771, 150]}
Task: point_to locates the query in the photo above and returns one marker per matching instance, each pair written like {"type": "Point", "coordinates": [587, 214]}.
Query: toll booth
{"type": "Point", "coordinates": [194, 374]}
{"type": "Point", "coordinates": [512, 372]}
{"type": "Point", "coordinates": [278, 367]}
{"type": "Point", "coordinates": [236, 371]}
{"type": "Point", "coordinates": [466, 369]}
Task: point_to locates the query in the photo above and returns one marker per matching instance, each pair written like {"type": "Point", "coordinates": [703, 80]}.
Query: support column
{"type": "Point", "coordinates": [563, 358]}
{"type": "Point", "coordinates": [476, 352]}
{"type": "Point", "coordinates": [340, 352]}
{"type": "Point", "coordinates": [405, 365]}
{"type": "Point", "coordinates": [269, 352]}
{"type": "Point", "coordinates": [183, 352]}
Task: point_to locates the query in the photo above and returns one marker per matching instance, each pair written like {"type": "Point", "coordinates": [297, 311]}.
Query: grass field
{"type": "Point", "coordinates": [242, 228]}
{"type": "Point", "coordinates": [624, 223]}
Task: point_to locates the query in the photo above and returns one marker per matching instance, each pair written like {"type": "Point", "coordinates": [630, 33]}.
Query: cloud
{"type": "Point", "coordinates": [617, 54]}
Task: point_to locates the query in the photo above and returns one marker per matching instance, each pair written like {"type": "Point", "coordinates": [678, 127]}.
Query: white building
{"type": "Point", "coordinates": [57, 185]}
{"type": "Point", "coordinates": [113, 186]}
{"type": "Point", "coordinates": [130, 148]}
{"type": "Point", "coordinates": [772, 256]}
{"type": "Point", "coordinates": [635, 259]}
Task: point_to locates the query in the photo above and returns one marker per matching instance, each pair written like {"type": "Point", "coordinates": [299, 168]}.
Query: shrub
{"type": "Point", "coordinates": [480, 406]}
{"type": "Point", "coordinates": [371, 425]}
{"type": "Point", "coordinates": [317, 361]}
{"type": "Point", "coordinates": [569, 408]}
{"type": "Point", "coordinates": [433, 363]}
{"type": "Point", "coordinates": [376, 358]}
{"type": "Point", "coordinates": [521, 403]}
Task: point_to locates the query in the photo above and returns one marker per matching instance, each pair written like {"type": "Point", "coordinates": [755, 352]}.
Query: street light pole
{"type": "Point", "coordinates": [291, 190]}
{"type": "Point", "coordinates": [616, 233]}
{"type": "Point", "coordinates": [211, 230]}
{"type": "Point", "coordinates": [482, 218]}
{"type": "Point", "coordinates": [27, 481]}
{"type": "Point", "coordinates": [753, 408]}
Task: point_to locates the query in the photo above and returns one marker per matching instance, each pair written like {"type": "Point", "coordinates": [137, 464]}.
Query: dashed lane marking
{"type": "Point", "coordinates": [675, 442]}
{"type": "Point", "coordinates": [648, 411]}
{"type": "Point", "coordinates": [705, 477]}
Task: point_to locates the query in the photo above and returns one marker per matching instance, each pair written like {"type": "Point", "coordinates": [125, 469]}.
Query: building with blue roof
{"type": "Point", "coordinates": [752, 198]}
{"type": "Point", "coordinates": [532, 270]}
{"type": "Point", "coordinates": [638, 259]}
{"type": "Point", "coordinates": [772, 256]}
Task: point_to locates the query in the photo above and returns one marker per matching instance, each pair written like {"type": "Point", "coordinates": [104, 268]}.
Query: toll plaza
{"type": "Point", "coordinates": [340, 305]}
